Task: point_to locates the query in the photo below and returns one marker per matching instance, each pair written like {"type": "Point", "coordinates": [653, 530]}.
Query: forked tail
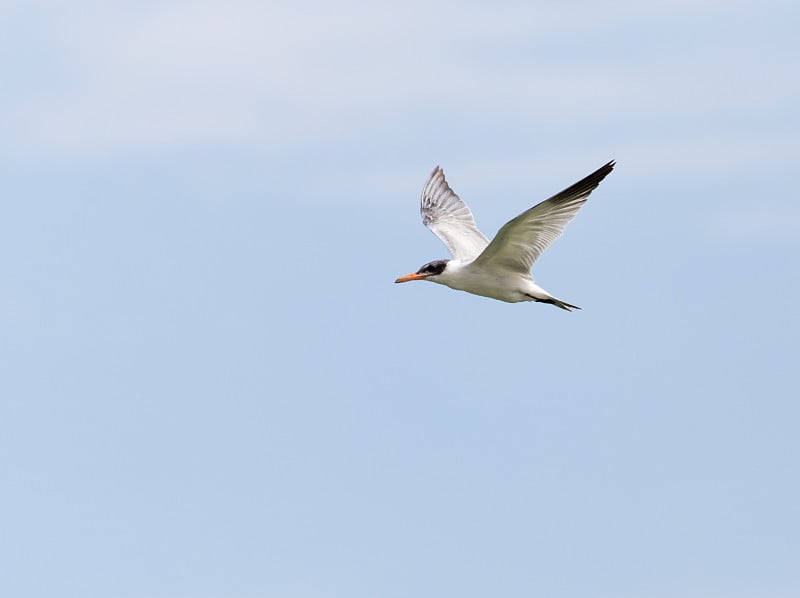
{"type": "Point", "coordinates": [558, 303]}
{"type": "Point", "coordinates": [538, 294]}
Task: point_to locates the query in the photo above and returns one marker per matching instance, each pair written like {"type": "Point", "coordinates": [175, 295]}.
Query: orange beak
{"type": "Point", "coordinates": [412, 276]}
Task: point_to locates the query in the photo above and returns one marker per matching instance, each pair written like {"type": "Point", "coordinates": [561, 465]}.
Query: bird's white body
{"type": "Point", "coordinates": [511, 287]}
{"type": "Point", "coordinates": [500, 269]}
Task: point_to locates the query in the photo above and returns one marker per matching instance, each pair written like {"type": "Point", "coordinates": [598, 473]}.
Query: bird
{"type": "Point", "coordinates": [500, 269]}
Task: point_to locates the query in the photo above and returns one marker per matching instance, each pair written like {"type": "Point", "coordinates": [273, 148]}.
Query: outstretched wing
{"type": "Point", "coordinates": [520, 242]}
{"type": "Point", "coordinates": [450, 219]}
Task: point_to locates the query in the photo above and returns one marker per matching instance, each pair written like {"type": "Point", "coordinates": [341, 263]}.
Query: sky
{"type": "Point", "coordinates": [210, 386]}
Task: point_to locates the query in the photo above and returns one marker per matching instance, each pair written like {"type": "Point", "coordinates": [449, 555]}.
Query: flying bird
{"type": "Point", "coordinates": [500, 269]}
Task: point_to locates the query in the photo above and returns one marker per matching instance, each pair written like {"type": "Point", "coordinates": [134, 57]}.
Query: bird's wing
{"type": "Point", "coordinates": [520, 242]}
{"type": "Point", "coordinates": [450, 219]}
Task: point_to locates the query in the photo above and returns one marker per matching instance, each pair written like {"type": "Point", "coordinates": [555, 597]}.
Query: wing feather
{"type": "Point", "coordinates": [450, 219]}
{"type": "Point", "coordinates": [520, 242]}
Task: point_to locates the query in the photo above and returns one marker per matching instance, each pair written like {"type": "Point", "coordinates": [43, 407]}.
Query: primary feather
{"type": "Point", "coordinates": [450, 219]}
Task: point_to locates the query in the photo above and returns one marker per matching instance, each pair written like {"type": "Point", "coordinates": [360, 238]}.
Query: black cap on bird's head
{"type": "Point", "coordinates": [433, 268]}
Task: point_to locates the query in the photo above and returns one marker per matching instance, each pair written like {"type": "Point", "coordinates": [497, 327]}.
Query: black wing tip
{"type": "Point", "coordinates": [601, 172]}
{"type": "Point", "coordinates": [590, 182]}
{"type": "Point", "coordinates": [585, 186]}
{"type": "Point", "coordinates": [605, 169]}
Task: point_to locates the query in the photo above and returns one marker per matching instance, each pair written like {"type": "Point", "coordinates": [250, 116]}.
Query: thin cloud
{"type": "Point", "coordinates": [147, 76]}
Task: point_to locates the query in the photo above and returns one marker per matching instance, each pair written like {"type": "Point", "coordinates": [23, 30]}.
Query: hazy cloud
{"type": "Point", "coordinates": [146, 75]}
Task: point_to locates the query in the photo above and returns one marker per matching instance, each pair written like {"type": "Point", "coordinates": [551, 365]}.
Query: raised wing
{"type": "Point", "coordinates": [450, 219]}
{"type": "Point", "coordinates": [520, 242]}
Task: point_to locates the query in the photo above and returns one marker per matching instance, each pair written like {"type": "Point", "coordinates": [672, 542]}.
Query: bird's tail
{"type": "Point", "coordinates": [559, 303]}
{"type": "Point", "coordinates": [538, 294]}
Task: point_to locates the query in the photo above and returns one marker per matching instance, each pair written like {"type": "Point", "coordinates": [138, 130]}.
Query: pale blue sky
{"type": "Point", "coordinates": [211, 388]}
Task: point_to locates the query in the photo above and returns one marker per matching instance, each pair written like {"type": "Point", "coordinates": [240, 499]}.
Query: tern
{"type": "Point", "coordinates": [500, 269]}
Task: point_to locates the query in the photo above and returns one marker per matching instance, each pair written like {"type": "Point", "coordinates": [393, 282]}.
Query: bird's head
{"type": "Point", "coordinates": [429, 271]}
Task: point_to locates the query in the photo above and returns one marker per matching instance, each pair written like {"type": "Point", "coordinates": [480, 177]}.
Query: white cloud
{"type": "Point", "coordinates": [139, 76]}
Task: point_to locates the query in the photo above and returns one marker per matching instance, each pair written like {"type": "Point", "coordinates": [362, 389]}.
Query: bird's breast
{"type": "Point", "coordinates": [497, 284]}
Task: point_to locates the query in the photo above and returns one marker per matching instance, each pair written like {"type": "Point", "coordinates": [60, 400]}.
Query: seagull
{"type": "Point", "coordinates": [500, 269]}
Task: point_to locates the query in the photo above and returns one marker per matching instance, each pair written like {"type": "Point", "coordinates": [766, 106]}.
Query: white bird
{"type": "Point", "coordinates": [500, 269]}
